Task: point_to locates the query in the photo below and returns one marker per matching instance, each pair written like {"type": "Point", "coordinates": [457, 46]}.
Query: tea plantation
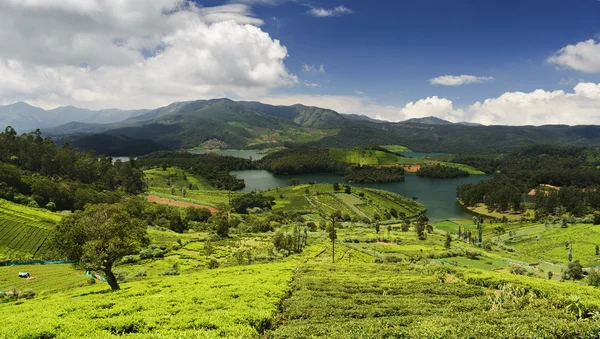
{"type": "Point", "coordinates": [23, 231]}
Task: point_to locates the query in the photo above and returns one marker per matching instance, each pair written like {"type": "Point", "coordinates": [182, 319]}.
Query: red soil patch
{"type": "Point", "coordinates": [412, 168]}
{"type": "Point", "coordinates": [171, 202]}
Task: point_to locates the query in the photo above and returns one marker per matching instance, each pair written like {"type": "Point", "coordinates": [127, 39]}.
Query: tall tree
{"type": "Point", "coordinates": [99, 236]}
{"type": "Point", "coordinates": [334, 218]}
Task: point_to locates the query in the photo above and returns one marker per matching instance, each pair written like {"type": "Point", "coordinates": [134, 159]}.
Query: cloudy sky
{"type": "Point", "coordinates": [511, 62]}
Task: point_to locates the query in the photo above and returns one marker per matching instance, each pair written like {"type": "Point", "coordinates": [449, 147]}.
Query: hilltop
{"type": "Point", "coordinates": [254, 125]}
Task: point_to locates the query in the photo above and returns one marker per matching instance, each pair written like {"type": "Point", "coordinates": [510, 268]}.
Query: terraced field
{"type": "Point", "coordinates": [321, 199]}
{"type": "Point", "coordinates": [24, 230]}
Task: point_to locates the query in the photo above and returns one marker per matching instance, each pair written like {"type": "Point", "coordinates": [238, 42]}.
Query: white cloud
{"type": "Point", "coordinates": [311, 84]}
{"type": "Point", "coordinates": [324, 12]}
{"type": "Point", "coordinates": [433, 106]}
{"type": "Point", "coordinates": [541, 107]}
{"type": "Point", "coordinates": [459, 80]}
{"type": "Point", "coordinates": [313, 69]}
{"type": "Point", "coordinates": [583, 56]}
{"type": "Point", "coordinates": [538, 107]}
{"type": "Point", "coordinates": [131, 54]}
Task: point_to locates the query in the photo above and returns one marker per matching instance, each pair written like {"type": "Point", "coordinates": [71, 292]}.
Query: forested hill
{"type": "Point", "coordinates": [570, 172]}
{"type": "Point", "coordinates": [256, 125]}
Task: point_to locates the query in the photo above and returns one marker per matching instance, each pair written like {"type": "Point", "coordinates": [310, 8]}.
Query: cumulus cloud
{"type": "Point", "coordinates": [583, 56]}
{"type": "Point", "coordinates": [459, 80]}
{"type": "Point", "coordinates": [539, 107]}
{"type": "Point", "coordinates": [433, 106]}
{"type": "Point", "coordinates": [131, 54]}
{"type": "Point", "coordinates": [313, 69]}
{"type": "Point", "coordinates": [325, 12]}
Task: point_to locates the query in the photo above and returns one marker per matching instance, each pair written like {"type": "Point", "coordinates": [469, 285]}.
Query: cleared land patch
{"type": "Point", "coordinates": [178, 203]}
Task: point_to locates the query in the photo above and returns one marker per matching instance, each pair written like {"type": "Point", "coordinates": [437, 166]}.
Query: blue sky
{"type": "Point", "coordinates": [488, 61]}
{"type": "Point", "coordinates": [390, 49]}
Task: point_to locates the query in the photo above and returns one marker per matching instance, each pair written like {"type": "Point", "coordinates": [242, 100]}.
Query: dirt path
{"type": "Point", "coordinates": [171, 202]}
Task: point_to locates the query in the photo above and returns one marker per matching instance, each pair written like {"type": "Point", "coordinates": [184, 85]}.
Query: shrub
{"type": "Point", "coordinates": [594, 278]}
{"type": "Point", "coordinates": [213, 263]}
{"type": "Point", "coordinates": [520, 270]}
{"type": "Point", "coordinates": [141, 273]}
{"type": "Point", "coordinates": [121, 276]}
{"type": "Point", "coordinates": [51, 206]}
{"type": "Point", "coordinates": [130, 259]}
{"type": "Point", "coordinates": [573, 271]}
{"type": "Point", "coordinates": [171, 271]}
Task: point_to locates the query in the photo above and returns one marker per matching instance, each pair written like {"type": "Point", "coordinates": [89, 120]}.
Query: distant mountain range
{"type": "Point", "coordinates": [24, 117]}
{"type": "Point", "coordinates": [438, 121]}
{"type": "Point", "coordinates": [226, 123]}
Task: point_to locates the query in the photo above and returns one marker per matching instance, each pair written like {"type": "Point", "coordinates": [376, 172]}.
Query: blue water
{"type": "Point", "coordinates": [438, 195]}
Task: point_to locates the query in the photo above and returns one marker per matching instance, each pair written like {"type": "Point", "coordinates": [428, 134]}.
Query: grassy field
{"type": "Point", "coordinates": [161, 182]}
{"type": "Point", "coordinates": [322, 199]}
{"type": "Point", "coordinates": [364, 157]}
{"type": "Point", "coordinates": [548, 244]}
{"type": "Point", "coordinates": [376, 157]}
{"type": "Point", "coordinates": [236, 302]}
{"type": "Point", "coordinates": [175, 177]}
{"type": "Point", "coordinates": [397, 148]}
{"type": "Point", "coordinates": [412, 301]}
{"type": "Point", "coordinates": [432, 292]}
{"type": "Point", "coordinates": [484, 211]}
{"type": "Point", "coordinates": [44, 278]}
{"type": "Point", "coordinates": [24, 230]}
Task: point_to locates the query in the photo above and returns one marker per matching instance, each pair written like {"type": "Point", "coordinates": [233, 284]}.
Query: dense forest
{"type": "Point", "coordinates": [568, 168]}
{"type": "Point", "coordinates": [34, 171]}
{"type": "Point", "coordinates": [372, 174]}
{"type": "Point", "coordinates": [319, 160]}
{"type": "Point", "coordinates": [213, 167]}
{"type": "Point", "coordinates": [441, 172]}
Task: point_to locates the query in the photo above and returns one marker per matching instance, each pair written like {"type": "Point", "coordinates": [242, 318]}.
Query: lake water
{"type": "Point", "coordinates": [438, 195]}
{"type": "Point", "coordinates": [232, 152]}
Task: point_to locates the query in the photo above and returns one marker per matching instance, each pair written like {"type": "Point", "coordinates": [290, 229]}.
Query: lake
{"type": "Point", "coordinates": [438, 195]}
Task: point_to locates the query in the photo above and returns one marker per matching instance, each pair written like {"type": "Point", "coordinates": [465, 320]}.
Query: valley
{"type": "Point", "coordinates": [395, 245]}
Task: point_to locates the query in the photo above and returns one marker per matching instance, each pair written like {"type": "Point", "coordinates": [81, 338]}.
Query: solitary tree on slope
{"type": "Point", "coordinates": [98, 237]}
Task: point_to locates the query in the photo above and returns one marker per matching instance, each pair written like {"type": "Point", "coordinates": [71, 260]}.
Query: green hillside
{"type": "Point", "coordinates": [362, 203]}
{"type": "Point", "coordinates": [372, 291]}
{"type": "Point", "coordinates": [24, 230]}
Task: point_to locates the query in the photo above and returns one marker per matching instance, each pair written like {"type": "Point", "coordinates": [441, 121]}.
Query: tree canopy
{"type": "Point", "coordinates": [99, 236]}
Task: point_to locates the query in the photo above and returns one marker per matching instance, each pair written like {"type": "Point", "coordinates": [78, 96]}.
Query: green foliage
{"type": "Point", "coordinates": [220, 225]}
{"type": "Point", "coordinates": [241, 204]}
{"type": "Point", "coordinates": [197, 214]}
{"type": "Point", "coordinates": [98, 237]}
{"type": "Point", "coordinates": [441, 172]}
{"type": "Point", "coordinates": [573, 271]}
{"type": "Point", "coordinates": [24, 230]}
{"type": "Point", "coordinates": [248, 298]}
{"type": "Point", "coordinates": [313, 160]}
{"type": "Point", "coordinates": [362, 301]}
{"type": "Point", "coordinates": [594, 277]}
{"type": "Point", "coordinates": [212, 167]}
